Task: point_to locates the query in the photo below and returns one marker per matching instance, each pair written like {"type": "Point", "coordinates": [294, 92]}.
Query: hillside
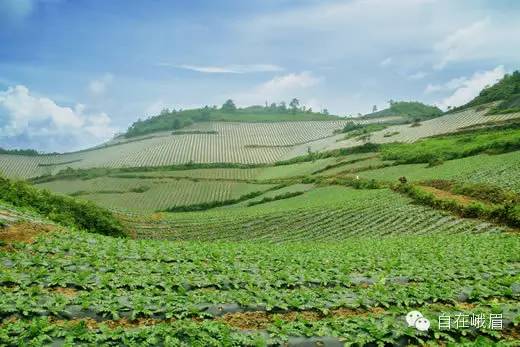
{"type": "Point", "coordinates": [334, 248]}
{"type": "Point", "coordinates": [293, 233]}
{"type": "Point", "coordinates": [242, 143]}
{"type": "Point", "coordinates": [174, 120]}
{"type": "Point", "coordinates": [505, 93]}
{"type": "Point", "coordinates": [409, 110]}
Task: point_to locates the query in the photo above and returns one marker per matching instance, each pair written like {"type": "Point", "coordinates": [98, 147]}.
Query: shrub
{"type": "Point", "coordinates": [140, 189]}
{"type": "Point", "coordinates": [62, 209]}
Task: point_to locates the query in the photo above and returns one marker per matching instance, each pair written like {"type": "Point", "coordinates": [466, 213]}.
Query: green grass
{"type": "Point", "coordinates": [408, 110]}
{"type": "Point", "coordinates": [61, 209]}
{"type": "Point", "coordinates": [454, 146]}
{"type": "Point", "coordinates": [357, 291]}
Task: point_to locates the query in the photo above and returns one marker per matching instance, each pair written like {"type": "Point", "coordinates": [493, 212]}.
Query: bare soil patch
{"type": "Point", "coordinates": [25, 232]}
{"type": "Point", "coordinates": [442, 194]}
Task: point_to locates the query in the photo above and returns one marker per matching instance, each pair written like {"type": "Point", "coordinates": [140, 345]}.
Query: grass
{"type": "Point", "coordinates": [454, 146]}
{"type": "Point", "coordinates": [62, 209]}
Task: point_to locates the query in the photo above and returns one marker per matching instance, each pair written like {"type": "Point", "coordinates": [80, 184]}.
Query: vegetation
{"type": "Point", "coordinates": [498, 170]}
{"type": "Point", "coordinates": [455, 146]}
{"type": "Point", "coordinates": [211, 204]}
{"type": "Point", "coordinates": [311, 250]}
{"type": "Point", "coordinates": [62, 209]}
{"type": "Point", "coordinates": [249, 294]}
{"type": "Point", "coordinates": [326, 214]}
{"type": "Point", "coordinates": [409, 110]}
{"type": "Point", "coordinates": [357, 130]}
{"type": "Point", "coordinates": [507, 213]}
{"type": "Point", "coordinates": [506, 91]}
{"type": "Point", "coordinates": [28, 152]}
{"type": "Point", "coordinates": [136, 194]}
{"type": "Point", "coordinates": [286, 195]}
{"type": "Point", "coordinates": [172, 119]}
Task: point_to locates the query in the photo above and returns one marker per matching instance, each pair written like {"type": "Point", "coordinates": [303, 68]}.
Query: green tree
{"type": "Point", "coordinates": [294, 104]}
{"type": "Point", "coordinates": [229, 106]}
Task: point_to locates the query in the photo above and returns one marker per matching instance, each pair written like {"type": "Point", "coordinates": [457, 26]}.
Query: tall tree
{"type": "Point", "coordinates": [229, 106]}
{"type": "Point", "coordinates": [294, 104]}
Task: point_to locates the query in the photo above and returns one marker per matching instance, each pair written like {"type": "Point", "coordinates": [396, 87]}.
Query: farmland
{"type": "Point", "coordinates": [233, 142]}
{"type": "Point", "coordinates": [99, 290]}
{"type": "Point", "coordinates": [150, 195]}
{"type": "Point", "coordinates": [255, 234]}
{"type": "Point", "coordinates": [323, 214]}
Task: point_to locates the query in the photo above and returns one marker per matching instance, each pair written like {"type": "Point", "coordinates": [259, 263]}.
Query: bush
{"type": "Point", "coordinates": [274, 198]}
{"type": "Point", "coordinates": [62, 209]}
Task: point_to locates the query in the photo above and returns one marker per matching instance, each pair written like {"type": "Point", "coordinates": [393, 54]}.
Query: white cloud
{"type": "Point", "coordinates": [386, 62]}
{"type": "Point", "coordinates": [483, 39]}
{"type": "Point", "coordinates": [448, 86]}
{"type": "Point", "coordinates": [290, 82]}
{"type": "Point", "coordinates": [99, 86]}
{"type": "Point", "coordinates": [279, 88]}
{"type": "Point", "coordinates": [468, 88]}
{"type": "Point", "coordinates": [418, 75]}
{"type": "Point", "coordinates": [233, 69]}
{"type": "Point", "coordinates": [40, 119]}
{"type": "Point", "coordinates": [461, 43]}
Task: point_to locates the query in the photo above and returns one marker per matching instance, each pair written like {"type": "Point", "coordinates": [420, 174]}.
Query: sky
{"type": "Point", "coordinates": [75, 72]}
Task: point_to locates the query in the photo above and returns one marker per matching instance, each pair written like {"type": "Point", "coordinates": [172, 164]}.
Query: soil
{"type": "Point", "coordinates": [68, 292]}
{"type": "Point", "coordinates": [24, 232]}
{"type": "Point", "coordinates": [260, 320]}
{"type": "Point", "coordinates": [442, 194]}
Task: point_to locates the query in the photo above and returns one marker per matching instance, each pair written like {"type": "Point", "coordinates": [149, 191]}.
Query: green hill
{"type": "Point", "coordinates": [410, 110]}
{"type": "Point", "coordinates": [506, 91]}
{"type": "Point", "coordinates": [173, 120]}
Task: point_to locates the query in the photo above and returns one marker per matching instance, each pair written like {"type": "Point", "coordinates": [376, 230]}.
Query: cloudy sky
{"type": "Point", "coordinates": [73, 72]}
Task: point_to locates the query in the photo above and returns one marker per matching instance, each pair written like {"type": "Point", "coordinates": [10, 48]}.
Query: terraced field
{"type": "Point", "coordinates": [441, 125]}
{"type": "Point", "coordinates": [249, 143]}
{"type": "Point", "coordinates": [149, 195]}
{"type": "Point", "coordinates": [322, 214]}
{"type": "Point", "coordinates": [501, 170]}
{"type": "Point", "coordinates": [74, 288]}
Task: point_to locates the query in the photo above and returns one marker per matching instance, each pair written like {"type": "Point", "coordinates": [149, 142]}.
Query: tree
{"type": "Point", "coordinates": [294, 104]}
{"type": "Point", "coordinates": [165, 111]}
{"type": "Point", "coordinates": [374, 109]}
{"type": "Point", "coordinates": [325, 111]}
{"type": "Point", "coordinates": [229, 106]}
{"type": "Point", "coordinates": [282, 106]}
{"type": "Point", "coordinates": [177, 123]}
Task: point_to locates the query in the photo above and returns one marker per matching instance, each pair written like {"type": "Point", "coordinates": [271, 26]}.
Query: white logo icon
{"type": "Point", "coordinates": [416, 319]}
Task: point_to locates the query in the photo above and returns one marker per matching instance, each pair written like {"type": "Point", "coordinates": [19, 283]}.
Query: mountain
{"type": "Point", "coordinates": [173, 120]}
{"type": "Point", "coordinates": [505, 92]}
{"type": "Point", "coordinates": [410, 110]}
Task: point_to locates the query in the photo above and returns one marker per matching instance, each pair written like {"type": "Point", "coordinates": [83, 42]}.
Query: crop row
{"type": "Point", "coordinates": [149, 195]}
{"type": "Point", "coordinates": [342, 213]}
{"type": "Point", "coordinates": [73, 275]}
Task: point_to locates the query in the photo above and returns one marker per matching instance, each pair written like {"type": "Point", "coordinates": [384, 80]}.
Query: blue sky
{"type": "Point", "coordinates": [73, 72]}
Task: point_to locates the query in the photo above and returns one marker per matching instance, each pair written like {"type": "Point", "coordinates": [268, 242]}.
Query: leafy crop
{"type": "Point", "coordinates": [357, 291]}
